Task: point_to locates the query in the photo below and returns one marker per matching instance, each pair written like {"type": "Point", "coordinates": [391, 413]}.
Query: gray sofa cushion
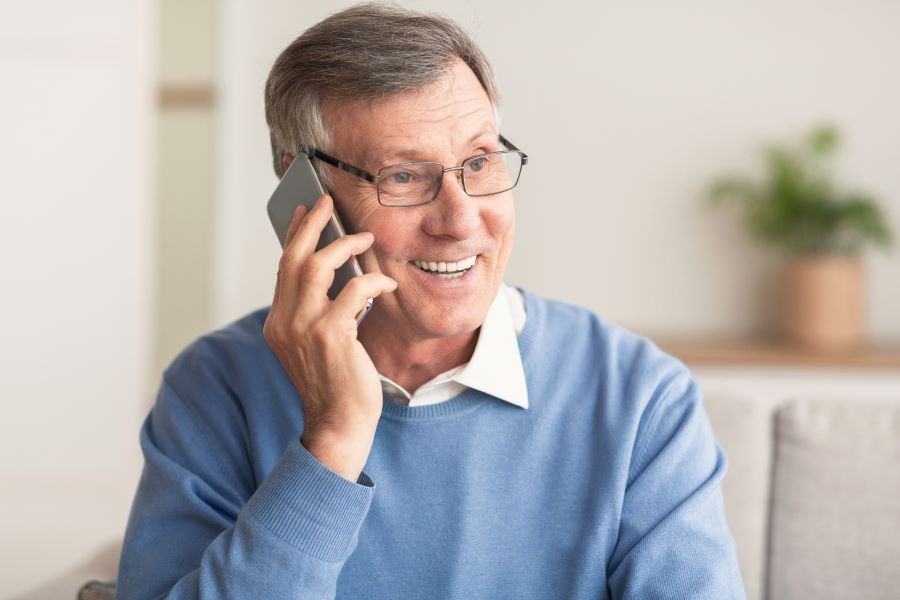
{"type": "Point", "coordinates": [835, 529]}
{"type": "Point", "coordinates": [744, 428]}
{"type": "Point", "coordinates": [97, 590]}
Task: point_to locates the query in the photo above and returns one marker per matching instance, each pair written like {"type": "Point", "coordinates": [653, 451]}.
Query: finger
{"type": "Point", "coordinates": [310, 229]}
{"type": "Point", "coordinates": [340, 250]}
{"type": "Point", "coordinates": [317, 273]}
{"type": "Point", "coordinates": [299, 212]}
{"type": "Point", "coordinates": [307, 231]}
{"type": "Point", "coordinates": [356, 293]}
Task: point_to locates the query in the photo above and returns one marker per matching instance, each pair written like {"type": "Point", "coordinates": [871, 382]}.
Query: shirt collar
{"type": "Point", "coordinates": [496, 364]}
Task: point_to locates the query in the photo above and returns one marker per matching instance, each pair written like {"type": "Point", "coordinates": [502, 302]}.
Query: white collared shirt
{"type": "Point", "coordinates": [495, 367]}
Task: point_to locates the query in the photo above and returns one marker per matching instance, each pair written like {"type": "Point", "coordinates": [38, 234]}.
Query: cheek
{"type": "Point", "coordinates": [358, 212]}
{"type": "Point", "coordinates": [392, 229]}
{"type": "Point", "coordinates": [501, 222]}
{"type": "Point", "coordinates": [357, 209]}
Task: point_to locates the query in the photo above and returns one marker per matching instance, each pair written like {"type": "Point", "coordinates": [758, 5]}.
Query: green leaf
{"type": "Point", "coordinates": [823, 140]}
{"type": "Point", "coordinates": [798, 206]}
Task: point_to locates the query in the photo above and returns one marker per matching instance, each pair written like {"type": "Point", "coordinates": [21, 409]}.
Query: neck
{"type": "Point", "coordinates": [411, 362]}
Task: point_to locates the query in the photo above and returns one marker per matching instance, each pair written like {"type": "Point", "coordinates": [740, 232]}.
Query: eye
{"type": "Point", "coordinates": [477, 164]}
{"type": "Point", "coordinates": [401, 177]}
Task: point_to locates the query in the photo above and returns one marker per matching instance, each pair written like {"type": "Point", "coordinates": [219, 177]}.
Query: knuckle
{"type": "Point", "coordinates": [296, 330]}
{"type": "Point", "coordinates": [356, 285]}
{"type": "Point", "coordinates": [274, 335]}
{"type": "Point", "coordinates": [285, 264]}
{"type": "Point", "coordinates": [311, 268]}
{"type": "Point", "coordinates": [318, 334]}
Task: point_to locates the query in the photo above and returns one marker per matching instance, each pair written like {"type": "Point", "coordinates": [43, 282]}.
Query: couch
{"type": "Point", "coordinates": [812, 495]}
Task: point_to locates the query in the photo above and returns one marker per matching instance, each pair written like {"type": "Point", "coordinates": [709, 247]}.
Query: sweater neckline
{"type": "Point", "coordinates": [471, 399]}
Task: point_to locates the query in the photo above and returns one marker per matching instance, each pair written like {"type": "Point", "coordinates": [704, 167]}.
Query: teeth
{"type": "Point", "coordinates": [446, 270]}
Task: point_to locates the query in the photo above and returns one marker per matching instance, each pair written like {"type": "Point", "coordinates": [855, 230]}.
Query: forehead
{"type": "Point", "coordinates": [439, 118]}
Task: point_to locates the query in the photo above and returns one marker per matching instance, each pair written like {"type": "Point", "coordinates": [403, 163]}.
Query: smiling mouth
{"type": "Point", "coordinates": [444, 269]}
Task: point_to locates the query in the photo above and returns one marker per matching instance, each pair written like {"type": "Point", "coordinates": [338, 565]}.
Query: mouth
{"type": "Point", "coordinates": [446, 269]}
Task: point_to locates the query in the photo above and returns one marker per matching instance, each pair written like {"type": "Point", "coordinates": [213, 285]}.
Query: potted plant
{"type": "Point", "coordinates": [823, 230]}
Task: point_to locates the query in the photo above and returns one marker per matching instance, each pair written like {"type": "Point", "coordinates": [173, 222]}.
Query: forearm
{"type": "Point", "coordinates": [290, 540]}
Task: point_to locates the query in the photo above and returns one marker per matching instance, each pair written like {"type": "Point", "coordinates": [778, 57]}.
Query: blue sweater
{"type": "Point", "coordinates": [607, 486]}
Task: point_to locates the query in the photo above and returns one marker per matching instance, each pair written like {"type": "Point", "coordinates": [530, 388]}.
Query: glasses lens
{"type": "Point", "coordinates": [492, 173]}
{"type": "Point", "coordinates": [408, 184]}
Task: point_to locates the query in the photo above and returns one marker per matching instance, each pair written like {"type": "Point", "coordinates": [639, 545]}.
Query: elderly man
{"type": "Point", "coordinates": [468, 439]}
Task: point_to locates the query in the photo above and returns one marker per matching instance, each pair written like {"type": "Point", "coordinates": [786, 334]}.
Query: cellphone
{"type": "Point", "coordinates": [300, 185]}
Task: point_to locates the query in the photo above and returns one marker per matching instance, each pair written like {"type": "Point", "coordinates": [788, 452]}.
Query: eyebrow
{"type": "Point", "coordinates": [411, 154]}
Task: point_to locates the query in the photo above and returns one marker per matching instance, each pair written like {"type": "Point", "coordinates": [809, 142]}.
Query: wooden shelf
{"type": "Point", "coordinates": [771, 353]}
{"type": "Point", "coordinates": [174, 96]}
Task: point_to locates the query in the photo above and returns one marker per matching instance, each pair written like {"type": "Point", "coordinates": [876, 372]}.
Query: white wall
{"type": "Point", "coordinates": [627, 110]}
{"type": "Point", "coordinates": [185, 146]}
{"type": "Point", "coordinates": [75, 254]}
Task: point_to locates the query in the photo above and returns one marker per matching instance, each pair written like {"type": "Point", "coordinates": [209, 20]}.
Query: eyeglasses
{"type": "Point", "coordinates": [417, 183]}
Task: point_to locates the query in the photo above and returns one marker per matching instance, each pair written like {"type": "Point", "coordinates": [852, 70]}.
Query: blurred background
{"type": "Point", "coordinates": [135, 167]}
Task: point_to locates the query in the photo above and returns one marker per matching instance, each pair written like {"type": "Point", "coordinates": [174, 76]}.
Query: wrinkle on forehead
{"type": "Point", "coordinates": [439, 117]}
{"type": "Point", "coordinates": [389, 153]}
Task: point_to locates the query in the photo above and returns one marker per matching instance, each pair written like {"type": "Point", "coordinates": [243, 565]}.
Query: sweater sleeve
{"type": "Point", "coordinates": [673, 540]}
{"type": "Point", "coordinates": [198, 530]}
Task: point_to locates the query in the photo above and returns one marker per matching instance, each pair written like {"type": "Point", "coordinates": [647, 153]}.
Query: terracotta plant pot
{"type": "Point", "coordinates": [822, 305]}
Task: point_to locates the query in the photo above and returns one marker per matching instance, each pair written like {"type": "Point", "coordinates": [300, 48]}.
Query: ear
{"type": "Point", "coordinates": [286, 161]}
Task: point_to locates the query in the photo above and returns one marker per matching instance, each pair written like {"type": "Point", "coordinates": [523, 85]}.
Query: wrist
{"type": "Point", "coordinates": [344, 453]}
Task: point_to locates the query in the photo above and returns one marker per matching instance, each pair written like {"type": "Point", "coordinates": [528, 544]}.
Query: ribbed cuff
{"type": "Point", "coordinates": [310, 506]}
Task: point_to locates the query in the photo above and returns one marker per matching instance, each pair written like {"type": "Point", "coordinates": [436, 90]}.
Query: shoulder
{"type": "Point", "coordinates": [643, 394]}
{"type": "Point", "coordinates": [236, 341]}
{"type": "Point", "coordinates": [555, 322]}
{"type": "Point", "coordinates": [629, 368]}
{"type": "Point", "coordinates": [226, 362]}
{"type": "Point", "coordinates": [200, 416]}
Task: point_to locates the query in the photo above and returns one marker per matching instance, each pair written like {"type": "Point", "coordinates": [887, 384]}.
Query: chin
{"type": "Point", "coordinates": [438, 323]}
{"type": "Point", "coordinates": [454, 329]}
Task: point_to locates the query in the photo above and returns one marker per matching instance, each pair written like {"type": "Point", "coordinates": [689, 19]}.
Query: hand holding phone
{"type": "Point", "coordinates": [314, 337]}
{"type": "Point", "coordinates": [301, 186]}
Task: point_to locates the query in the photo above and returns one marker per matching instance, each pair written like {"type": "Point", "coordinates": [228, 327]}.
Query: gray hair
{"type": "Point", "coordinates": [369, 50]}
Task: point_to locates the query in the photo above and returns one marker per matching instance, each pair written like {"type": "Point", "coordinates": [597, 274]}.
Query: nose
{"type": "Point", "coordinates": [453, 213]}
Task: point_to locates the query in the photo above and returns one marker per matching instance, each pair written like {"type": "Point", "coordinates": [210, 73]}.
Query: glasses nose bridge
{"type": "Point", "coordinates": [459, 174]}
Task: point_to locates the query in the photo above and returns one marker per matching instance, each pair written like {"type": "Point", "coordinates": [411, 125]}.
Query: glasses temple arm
{"type": "Point", "coordinates": [512, 146]}
{"type": "Point", "coordinates": [341, 165]}
{"type": "Point", "coordinates": [507, 143]}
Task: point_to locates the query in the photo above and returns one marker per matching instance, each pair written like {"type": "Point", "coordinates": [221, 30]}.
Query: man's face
{"type": "Point", "coordinates": [446, 121]}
